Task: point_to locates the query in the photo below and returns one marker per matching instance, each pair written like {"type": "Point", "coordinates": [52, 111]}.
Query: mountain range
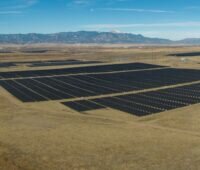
{"type": "Point", "coordinates": [87, 37]}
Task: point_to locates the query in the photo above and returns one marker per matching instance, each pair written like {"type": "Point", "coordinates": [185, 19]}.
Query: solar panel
{"type": "Point", "coordinates": [84, 105]}
{"type": "Point", "coordinates": [89, 69]}
{"type": "Point", "coordinates": [146, 103]}
{"type": "Point", "coordinates": [76, 86]}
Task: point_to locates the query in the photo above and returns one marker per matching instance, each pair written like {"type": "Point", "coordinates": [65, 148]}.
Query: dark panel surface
{"type": "Point", "coordinates": [89, 69]}
{"type": "Point", "coordinates": [84, 105]}
{"type": "Point", "coordinates": [66, 87]}
{"type": "Point", "coordinates": [147, 103]}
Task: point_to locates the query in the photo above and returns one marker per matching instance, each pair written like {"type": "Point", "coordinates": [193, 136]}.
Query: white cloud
{"type": "Point", "coordinates": [16, 7]}
{"type": "Point", "coordinates": [9, 12]}
{"type": "Point", "coordinates": [136, 10]}
{"type": "Point", "coordinates": [81, 2]}
{"type": "Point", "coordinates": [112, 26]}
{"type": "Point", "coordinates": [93, 2]}
{"type": "Point", "coordinates": [173, 35]}
{"type": "Point", "coordinates": [193, 8]}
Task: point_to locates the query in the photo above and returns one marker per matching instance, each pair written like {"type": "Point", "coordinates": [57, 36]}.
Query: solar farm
{"type": "Point", "coordinates": [115, 79]}
{"type": "Point", "coordinates": [100, 111]}
{"type": "Point", "coordinates": [46, 63]}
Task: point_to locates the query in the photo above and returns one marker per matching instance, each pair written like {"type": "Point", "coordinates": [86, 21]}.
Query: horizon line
{"type": "Point", "coordinates": [46, 33]}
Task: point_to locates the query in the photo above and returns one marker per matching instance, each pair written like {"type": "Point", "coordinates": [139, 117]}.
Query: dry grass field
{"type": "Point", "coordinates": [49, 136]}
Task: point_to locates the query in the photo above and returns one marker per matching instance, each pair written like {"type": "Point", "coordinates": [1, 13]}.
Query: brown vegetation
{"type": "Point", "coordinates": [48, 135]}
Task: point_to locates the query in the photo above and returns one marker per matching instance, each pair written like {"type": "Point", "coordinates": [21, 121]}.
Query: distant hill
{"type": "Point", "coordinates": [87, 37]}
{"type": "Point", "coordinates": [192, 41]}
{"type": "Point", "coordinates": [81, 37]}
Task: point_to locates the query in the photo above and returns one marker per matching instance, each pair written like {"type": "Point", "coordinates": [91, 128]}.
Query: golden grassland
{"type": "Point", "coordinates": [49, 136]}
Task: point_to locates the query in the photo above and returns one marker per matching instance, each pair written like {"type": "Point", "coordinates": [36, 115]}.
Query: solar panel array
{"type": "Point", "coordinates": [190, 54]}
{"type": "Point", "coordinates": [47, 63]}
{"type": "Point", "coordinates": [69, 87]}
{"type": "Point", "coordinates": [62, 62]}
{"type": "Point", "coordinates": [7, 64]}
{"type": "Point", "coordinates": [65, 71]}
{"type": "Point", "coordinates": [95, 81]}
{"type": "Point", "coordinates": [143, 104]}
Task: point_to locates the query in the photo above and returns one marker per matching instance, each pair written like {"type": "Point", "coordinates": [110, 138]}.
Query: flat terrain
{"type": "Point", "coordinates": [49, 135]}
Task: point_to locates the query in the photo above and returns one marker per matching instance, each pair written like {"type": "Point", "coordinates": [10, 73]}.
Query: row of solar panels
{"type": "Point", "coordinates": [47, 63]}
{"type": "Point", "coordinates": [76, 86]}
{"type": "Point", "coordinates": [89, 69]}
{"type": "Point", "coordinates": [143, 104]}
{"type": "Point", "coordinates": [58, 84]}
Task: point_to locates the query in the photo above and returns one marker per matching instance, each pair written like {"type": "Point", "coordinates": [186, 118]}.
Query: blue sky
{"type": "Point", "coordinates": [174, 19]}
